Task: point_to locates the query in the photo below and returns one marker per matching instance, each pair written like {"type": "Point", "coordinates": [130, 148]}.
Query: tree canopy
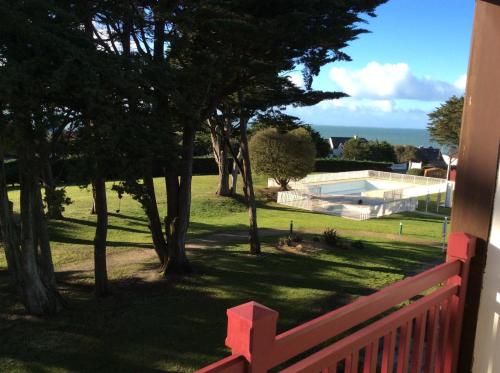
{"type": "Point", "coordinates": [120, 86]}
{"type": "Point", "coordinates": [445, 122]}
{"type": "Point", "coordinates": [283, 156]}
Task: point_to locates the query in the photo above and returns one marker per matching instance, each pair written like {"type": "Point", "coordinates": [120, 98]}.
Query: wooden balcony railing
{"type": "Point", "coordinates": [420, 336]}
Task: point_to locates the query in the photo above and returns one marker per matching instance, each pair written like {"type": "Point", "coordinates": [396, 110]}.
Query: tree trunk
{"type": "Point", "coordinates": [28, 249]}
{"type": "Point", "coordinates": [101, 232]}
{"type": "Point", "coordinates": [53, 202]}
{"type": "Point", "coordinates": [155, 226]}
{"type": "Point", "coordinates": [93, 210]}
{"type": "Point", "coordinates": [248, 189]}
{"type": "Point", "coordinates": [283, 183]}
{"type": "Point", "coordinates": [219, 148]}
{"type": "Point", "coordinates": [9, 237]}
{"type": "Point", "coordinates": [234, 172]}
{"type": "Point", "coordinates": [179, 206]}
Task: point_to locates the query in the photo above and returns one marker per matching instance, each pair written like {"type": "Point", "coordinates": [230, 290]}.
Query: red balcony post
{"type": "Point", "coordinates": [251, 332]}
{"type": "Point", "coordinates": [461, 247]}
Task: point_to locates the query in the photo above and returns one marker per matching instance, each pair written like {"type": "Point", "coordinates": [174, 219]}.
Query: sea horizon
{"type": "Point", "coordinates": [395, 136]}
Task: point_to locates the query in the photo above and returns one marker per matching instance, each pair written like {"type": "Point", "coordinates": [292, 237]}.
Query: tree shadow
{"type": "Point", "coordinates": [148, 326]}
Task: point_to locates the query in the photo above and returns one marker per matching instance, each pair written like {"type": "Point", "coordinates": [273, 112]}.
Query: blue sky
{"type": "Point", "coordinates": [415, 57]}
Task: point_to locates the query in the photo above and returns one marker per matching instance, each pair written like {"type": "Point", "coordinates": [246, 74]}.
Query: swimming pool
{"type": "Point", "coordinates": [360, 195]}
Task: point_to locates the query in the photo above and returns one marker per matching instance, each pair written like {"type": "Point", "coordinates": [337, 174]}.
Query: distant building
{"type": "Point", "coordinates": [430, 156]}
{"type": "Point", "coordinates": [337, 144]}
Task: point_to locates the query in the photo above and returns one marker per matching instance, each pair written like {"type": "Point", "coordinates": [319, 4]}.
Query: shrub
{"type": "Point", "coordinates": [405, 153]}
{"type": "Point", "coordinates": [282, 156]}
{"type": "Point", "coordinates": [342, 165]}
{"type": "Point", "coordinates": [381, 151]}
{"type": "Point", "coordinates": [436, 172]}
{"type": "Point", "coordinates": [331, 237]}
{"type": "Point", "coordinates": [290, 240]}
{"type": "Point", "coordinates": [356, 149]}
{"type": "Point", "coordinates": [415, 171]}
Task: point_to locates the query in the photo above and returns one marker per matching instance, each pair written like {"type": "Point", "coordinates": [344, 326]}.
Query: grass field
{"type": "Point", "coordinates": [180, 325]}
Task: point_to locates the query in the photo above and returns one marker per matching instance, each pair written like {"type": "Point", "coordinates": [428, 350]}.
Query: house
{"type": "Point", "coordinates": [337, 144]}
{"type": "Point", "coordinates": [429, 156]}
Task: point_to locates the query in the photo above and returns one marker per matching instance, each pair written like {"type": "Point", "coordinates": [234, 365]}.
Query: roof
{"type": "Point", "coordinates": [428, 155]}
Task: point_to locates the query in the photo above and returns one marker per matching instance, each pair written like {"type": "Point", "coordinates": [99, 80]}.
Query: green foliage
{"type": "Point", "coordinates": [285, 123]}
{"type": "Point", "coordinates": [282, 156]}
{"type": "Point", "coordinates": [360, 149]}
{"type": "Point", "coordinates": [381, 151]}
{"type": "Point", "coordinates": [436, 172]}
{"type": "Point", "coordinates": [342, 165]}
{"type": "Point", "coordinates": [58, 200]}
{"type": "Point", "coordinates": [202, 144]}
{"type": "Point", "coordinates": [405, 153]}
{"type": "Point", "coordinates": [331, 237]}
{"type": "Point", "coordinates": [445, 122]}
{"type": "Point", "coordinates": [356, 149]}
{"type": "Point", "coordinates": [415, 171]}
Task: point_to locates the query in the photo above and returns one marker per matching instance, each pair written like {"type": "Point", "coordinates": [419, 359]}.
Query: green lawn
{"type": "Point", "coordinates": [180, 326]}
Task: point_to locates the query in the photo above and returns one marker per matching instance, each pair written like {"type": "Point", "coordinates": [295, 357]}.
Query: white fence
{"type": "Point", "coordinates": [307, 194]}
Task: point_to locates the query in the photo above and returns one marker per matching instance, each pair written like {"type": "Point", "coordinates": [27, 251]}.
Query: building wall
{"type": "Point", "coordinates": [477, 176]}
{"type": "Point", "coordinates": [487, 348]}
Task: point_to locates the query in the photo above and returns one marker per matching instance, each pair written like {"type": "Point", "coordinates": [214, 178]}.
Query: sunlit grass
{"type": "Point", "coordinates": [180, 326]}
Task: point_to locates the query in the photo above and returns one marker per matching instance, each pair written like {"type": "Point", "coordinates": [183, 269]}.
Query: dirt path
{"type": "Point", "coordinates": [120, 259]}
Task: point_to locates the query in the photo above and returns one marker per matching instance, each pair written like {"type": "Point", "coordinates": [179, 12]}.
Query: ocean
{"type": "Point", "coordinates": [395, 136]}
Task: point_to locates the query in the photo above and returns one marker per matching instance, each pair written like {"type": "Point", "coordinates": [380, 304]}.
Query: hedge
{"type": "Point", "coordinates": [341, 165]}
{"type": "Point", "coordinates": [70, 170]}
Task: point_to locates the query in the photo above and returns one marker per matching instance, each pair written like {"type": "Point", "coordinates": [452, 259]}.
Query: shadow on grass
{"type": "Point", "coordinates": [180, 325]}
{"type": "Point", "coordinates": [93, 224]}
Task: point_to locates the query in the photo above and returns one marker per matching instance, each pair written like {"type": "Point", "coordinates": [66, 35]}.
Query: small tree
{"type": "Point", "coordinates": [356, 149]}
{"type": "Point", "coordinates": [283, 156]}
{"type": "Point", "coordinates": [444, 122]}
{"type": "Point", "coordinates": [284, 122]}
{"type": "Point", "coordinates": [405, 153]}
{"type": "Point", "coordinates": [381, 151]}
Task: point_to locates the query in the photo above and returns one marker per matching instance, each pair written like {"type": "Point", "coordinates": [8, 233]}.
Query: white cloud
{"type": "Point", "coordinates": [391, 81]}
{"type": "Point", "coordinates": [352, 104]}
{"type": "Point", "coordinates": [460, 82]}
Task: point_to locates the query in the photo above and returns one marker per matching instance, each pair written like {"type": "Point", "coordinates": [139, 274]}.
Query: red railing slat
{"type": "Point", "coordinates": [404, 347]}
{"type": "Point", "coordinates": [444, 332]}
{"type": "Point", "coordinates": [418, 343]}
{"type": "Point", "coordinates": [432, 339]}
{"type": "Point", "coordinates": [388, 354]}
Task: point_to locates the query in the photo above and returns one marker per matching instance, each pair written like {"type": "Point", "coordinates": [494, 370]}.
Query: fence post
{"type": "Point", "coordinates": [251, 332]}
{"type": "Point", "coordinates": [461, 246]}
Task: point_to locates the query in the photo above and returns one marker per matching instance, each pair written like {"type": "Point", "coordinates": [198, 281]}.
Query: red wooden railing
{"type": "Point", "coordinates": [421, 336]}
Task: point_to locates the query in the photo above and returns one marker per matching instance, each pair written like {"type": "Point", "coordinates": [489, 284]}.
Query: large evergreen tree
{"type": "Point", "coordinates": [445, 122]}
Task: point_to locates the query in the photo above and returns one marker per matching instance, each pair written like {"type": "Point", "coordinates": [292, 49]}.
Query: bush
{"type": "Point", "coordinates": [342, 165]}
{"type": "Point", "coordinates": [331, 237]}
{"type": "Point", "coordinates": [290, 240]}
{"type": "Point", "coordinates": [415, 171]}
{"type": "Point", "coordinates": [282, 156]}
{"type": "Point", "coordinates": [435, 172]}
